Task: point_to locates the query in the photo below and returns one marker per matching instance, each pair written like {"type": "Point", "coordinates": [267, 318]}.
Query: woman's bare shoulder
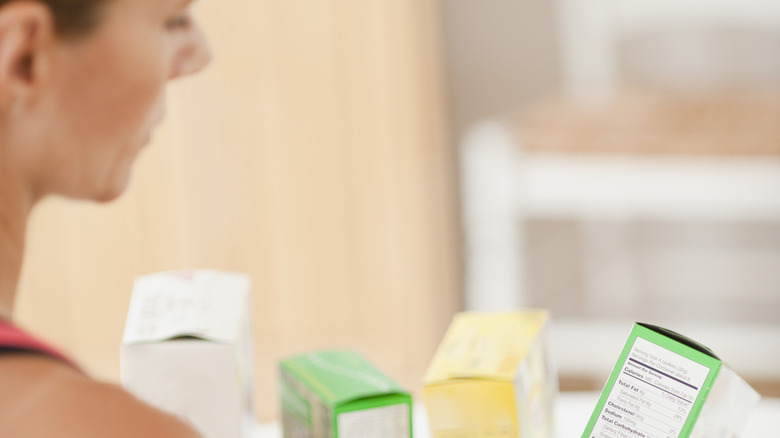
{"type": "Point", "coordinates": [44, 398]}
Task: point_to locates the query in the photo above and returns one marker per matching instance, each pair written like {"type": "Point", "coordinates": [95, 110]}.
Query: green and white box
{"type": "Point", "coordinates": [665, 385]}
{"type": "Point", "coordinates": [338, 393]}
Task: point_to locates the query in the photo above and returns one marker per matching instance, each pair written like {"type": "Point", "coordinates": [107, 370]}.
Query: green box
{"type": "Point", "coordinates": [338, 393]}
{"type": "Point", "coordinates": [665, 385]}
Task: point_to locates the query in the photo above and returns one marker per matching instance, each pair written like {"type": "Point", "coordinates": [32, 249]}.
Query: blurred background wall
{"type": "Point", "coordinates": [620, 161]}
{"type": "Point", "coordinates": [312, 154]}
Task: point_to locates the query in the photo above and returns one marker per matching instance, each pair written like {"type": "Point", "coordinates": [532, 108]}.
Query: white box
{"type": "Point", "coordinates": [187, 349]}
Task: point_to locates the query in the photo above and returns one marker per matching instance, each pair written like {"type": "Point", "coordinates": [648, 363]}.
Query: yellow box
{"type": "Point", "coordinates": [492, 378]}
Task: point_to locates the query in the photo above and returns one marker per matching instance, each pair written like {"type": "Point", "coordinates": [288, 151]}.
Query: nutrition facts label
{"type": "Point", "coordinates": [652, 396]}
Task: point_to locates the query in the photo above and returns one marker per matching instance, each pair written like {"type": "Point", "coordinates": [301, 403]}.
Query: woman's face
{"type": "Point", "coordinates": [105, 95]}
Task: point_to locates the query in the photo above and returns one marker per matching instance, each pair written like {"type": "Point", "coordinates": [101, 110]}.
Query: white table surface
{"type": "Point", "coordinates": [572, 412]}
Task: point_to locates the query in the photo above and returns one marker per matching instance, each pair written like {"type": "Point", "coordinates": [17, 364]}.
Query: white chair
{"type": "Point", "coordinates": [503, 186]}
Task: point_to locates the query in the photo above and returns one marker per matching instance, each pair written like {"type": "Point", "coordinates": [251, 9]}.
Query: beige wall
{"type": "Point", "coordinates": [501, 55]}
{"type": "Point", "coordinates": [312, 155]}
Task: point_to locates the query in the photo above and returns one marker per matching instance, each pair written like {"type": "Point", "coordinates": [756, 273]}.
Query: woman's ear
{"type": "Point", "coordinates": [26, 33]}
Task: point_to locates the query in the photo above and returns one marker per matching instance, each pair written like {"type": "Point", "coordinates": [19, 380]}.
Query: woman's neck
{"type": "Point", "coordinates": [15, 207]}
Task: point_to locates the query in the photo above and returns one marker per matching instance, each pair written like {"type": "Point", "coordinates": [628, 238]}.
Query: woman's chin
{"type": "Point", "coordinates": [111, 190]}
{"type": "Point", "coordinates": [107, 196]}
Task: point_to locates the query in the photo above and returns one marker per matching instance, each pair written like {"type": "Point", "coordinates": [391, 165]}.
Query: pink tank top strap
{"type": "Point", "coordinates": [15, 338]}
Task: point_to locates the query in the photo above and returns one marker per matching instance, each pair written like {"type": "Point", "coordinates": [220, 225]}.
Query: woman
{"type": "Point", "coordinates": [81, 89]}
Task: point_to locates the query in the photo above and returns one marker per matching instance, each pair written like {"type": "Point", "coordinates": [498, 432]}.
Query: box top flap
{"type": "Point", "coordinates": [340, 376]}
{"type": "Point", "coordinates": [204, 304]}
{"type": "Point", "coordinates": [680, 338]}
{"type": "Point", "coordinates": [486, 345]}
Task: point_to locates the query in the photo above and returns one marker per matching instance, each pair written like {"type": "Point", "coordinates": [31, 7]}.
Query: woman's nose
{"type": "Point", "coordinates": [193, 56]}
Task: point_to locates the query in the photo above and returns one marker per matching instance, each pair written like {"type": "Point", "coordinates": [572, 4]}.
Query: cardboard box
{"type": "Point", "coordinates": [492, 377]}
{"type": "Point", "coordinates": [337, 393]}
{"type": "Point", "coordinates": [187, 349]}
{"type": "Point", "coordinates": [666, 385]}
